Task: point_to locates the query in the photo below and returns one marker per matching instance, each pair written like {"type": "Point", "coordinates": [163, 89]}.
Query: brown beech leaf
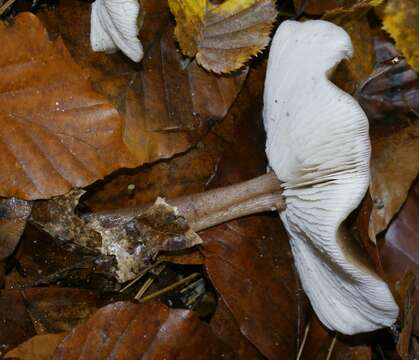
{"type": "Point", "coordinates": [400, 247]}
{"type": "Point", "coordinates": [390, 98]}
{"type": "Point", "coordinates": [151, 330]}
{"type": "Point", "coordinates": [400, 20]}
{"type": "Point", "coordinates": [29, 312]}
{"type": "Point", "coordinates": [13, 216]}
{"type": "Point", "coordinates": [223, 37]}
{"type": "Point", "coordinates": [167, 103]}
{"type": "Point", "coordinates": [320, 342]}
{"type": "Point", "coordinates": [39, 347]}
{"type": "Point", "coordinates": [249, 263]}
{"type": "Point", "coordinates": [56, 132]}
{"type": "Point", "coordinates": [226, 329]}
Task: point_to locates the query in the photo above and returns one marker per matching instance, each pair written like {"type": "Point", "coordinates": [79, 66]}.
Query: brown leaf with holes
{"type": "Point", "coordinates": [167, 103]}
{"type": "Point", "coordinates": [56, 132]}
{"type": "Point", "coordinates": [390, 98]}
{"type": "Point", "coordinates": [222, 37]}
{"type": "Point", "coordinates": [13, 216]}
{"type": "Point", "coordinates": [146, 331]}
{"type": "Point", "coordinates": [133, 242]}
{"type": "Point", "coordinates": [33, 311]}
{"type": "Point", "coordinates": [40, 347]}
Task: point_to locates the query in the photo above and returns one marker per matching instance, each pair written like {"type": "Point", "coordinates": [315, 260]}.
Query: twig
{"type": "Point", "coordinates": [149, 282]}
{"type": "Point", "coordinates": [145, 271]}
{"type": "Point", "coordinates": [6, 6]}
{"type": "Point", "coordinates": [300, 351]}
{"type": "Point", "coordinates": [332, 345]}
{"type": "Point", "coordinates": [170, 287]}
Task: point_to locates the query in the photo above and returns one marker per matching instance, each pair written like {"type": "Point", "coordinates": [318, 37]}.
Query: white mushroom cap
{"type": "Point", "coordinates": [114, 25]}
{"type": "Point", "coordinates": [318, 145]}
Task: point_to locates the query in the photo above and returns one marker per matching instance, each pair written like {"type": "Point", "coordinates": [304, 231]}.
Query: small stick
{"type": "Point", "coordinates": [145, 271]}
{"type": "Point", "coordinates": [149, 282]}
{"type": "Point", "coordinates": [170, 287]}
{"type": "Point", "coordinates": [332, 345]}
{"type": "Point", "coordinates": [4, 8]}
{"type": "Point", "coordinates": [300, 351]}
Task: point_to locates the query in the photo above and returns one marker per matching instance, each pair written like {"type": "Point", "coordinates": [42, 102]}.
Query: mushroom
{"type": "Point", "coordinates": [114, 25]}
{"type": "Point", "coordinates": [318, 147]}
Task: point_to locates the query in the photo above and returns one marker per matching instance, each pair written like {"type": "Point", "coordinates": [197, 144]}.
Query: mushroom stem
{"type": "Point", "coordinates": [213, 207]}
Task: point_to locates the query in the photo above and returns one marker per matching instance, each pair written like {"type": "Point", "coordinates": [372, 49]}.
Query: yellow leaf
{"type": "Point", "coordinates": [223, 37]}
{"type": "Point", "coordinates": [354, 21]}
{"type": "Point", "coordinates": [401, 20]}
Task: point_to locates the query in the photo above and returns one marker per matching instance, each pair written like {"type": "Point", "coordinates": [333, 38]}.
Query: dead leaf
{"type": "Point", "coordinates": [29, 312]}
{"type": "Point", "coordinates": [134, 243]}
{"type": "Point", "coordinates": [400, 247]}
{"type": "Point", "coordinates": [320, 342]}
{"type": "Point", "coordinates": [354, 21]}
{"type": "Point", "coordinates": [249, 263]}
{"type": "Point", "coordinates": [406, 291]}
{"type": "Point", "coordinates": [223, 37]}
{"type": "Point", "coordinates": [13, 215]}
{"type": "Point", "coordinates": [167, 103]}
{"type": "Point", "coordinates": [150, 330]}
{"type": "Point", "coordinates": [57, 217]}
{"type": "Point", "coordinates": [226, 329]}
{"type": "Point", "coordinates": [316, 7]}
{"type": "Point", "coordinates": [40, 347]}
{"type": "Point", "coordinates": [56, 132]}
{"type": "Point", "coordinates": [390, 100]}
{"type": "Point", "coordinates": [42, 260]}
{"type": "Point", "coordinates": [400, 20]}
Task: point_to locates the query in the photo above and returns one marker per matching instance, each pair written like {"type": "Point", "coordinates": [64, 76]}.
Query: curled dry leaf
{"type": "Point", "coordinates": [223, 37]}
{"type": "Point", "coordinates": [137, 242]}
{"type": "Point", "coordinates": [28, 312]}
{"type": "Point", "coordinates": [167, 104]}
{"type": "Point", "coordinates": [13, 216]}
{"type": "Point", "coordinates": [134, 242]}
{"type": "Point", "coordinates": [151, 330]}
{"type": "Point", "coordinates": [400, 20]}
{"type": "Point", "coordinates": [390, 98]}
{"type": "Point", "coordinates": [56, 132]}
{"type": "Point", "coordinates": [40, 347]}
